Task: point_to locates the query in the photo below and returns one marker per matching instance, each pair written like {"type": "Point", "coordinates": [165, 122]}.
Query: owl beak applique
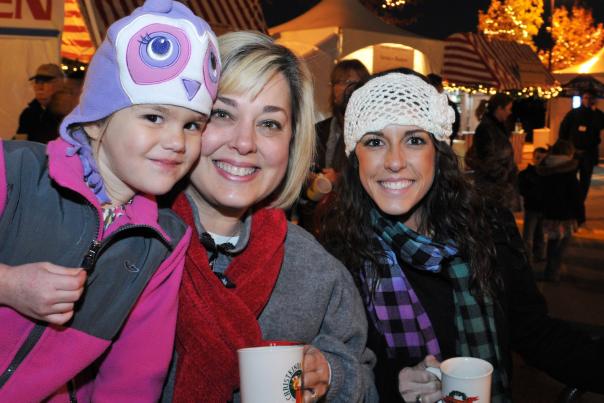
{"type": "Point", "coordinates": [191, 87]}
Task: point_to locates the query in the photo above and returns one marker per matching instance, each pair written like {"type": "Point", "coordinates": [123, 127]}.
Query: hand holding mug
{"type": "Point", "coordinates": [465, 379]}
{"type": "Point", "coordinates": [315, 369]}
{"type": "Point", "coordinates": [319, 187]}
{"type": "Point", "coordinates": [416, 384]}
{"type": "Point", "coordinates": [330, 174]}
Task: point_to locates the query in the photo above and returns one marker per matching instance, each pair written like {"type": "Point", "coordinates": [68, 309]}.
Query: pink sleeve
{"type": "Point", "coordinates": [137, 362]}
{"type": "Point", "coordinates": [3, 184]}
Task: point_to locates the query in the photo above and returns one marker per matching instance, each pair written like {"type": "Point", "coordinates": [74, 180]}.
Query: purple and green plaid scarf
{"type": "Point", "coordinates": [399, 315]}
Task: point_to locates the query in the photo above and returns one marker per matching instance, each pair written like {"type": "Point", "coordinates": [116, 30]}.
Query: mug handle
{"type": "Point", "coordinates": [436, 372]}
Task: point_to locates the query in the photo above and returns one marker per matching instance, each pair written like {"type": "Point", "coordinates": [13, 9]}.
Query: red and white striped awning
{"type": "Point", "coordinates": [472, 60]}
{"type": "Point", "coordinates": [222, 15]}
{"type": "Point", "coordinates": [75, 39]}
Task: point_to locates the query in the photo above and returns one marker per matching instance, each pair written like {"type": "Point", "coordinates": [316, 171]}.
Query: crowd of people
{"type": "Point", "coordinates": [149, 242]}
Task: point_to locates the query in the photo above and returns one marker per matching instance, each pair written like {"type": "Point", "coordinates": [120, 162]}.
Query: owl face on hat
{"type": "Point", "coordinates": [168, 59]}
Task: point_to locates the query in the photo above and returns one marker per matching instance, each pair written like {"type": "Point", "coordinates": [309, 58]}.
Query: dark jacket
{"type": "Point", "coordinates": [48, 214]}
{"type": "Point", "coordinates": [582, 127]}
{"type": "Point", "coordinates": [561, 194]}
{"type": "Point", "coordinates": [521, 318]}
{"type": "Point", "coordinates": [40, 124]}
{"type": "Point", "coordinates": [488, 128]}
{"type": "Point", "coordinates": [339, 160]}
{"type": "Point", "coordinates": [307, 209]}
{"type": "Point", "coordinates": [530, 185]}
{"type": "Point", "coordinates": [456, 122]}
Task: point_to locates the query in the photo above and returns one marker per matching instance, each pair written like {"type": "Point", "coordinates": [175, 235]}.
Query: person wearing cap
{"type": "Point", "coordinates": [37, 121]}
{"type": "Point", "coordinates": [442, 274]}
{"type": "Point", "coordinates": [90, 267]}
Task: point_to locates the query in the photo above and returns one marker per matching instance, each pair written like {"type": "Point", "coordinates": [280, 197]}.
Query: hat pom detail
{"type": "Point", "coordinates": [158, 6]}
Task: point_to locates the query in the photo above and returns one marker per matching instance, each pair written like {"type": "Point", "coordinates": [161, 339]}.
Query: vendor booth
{"type": "Point", "coordinates": [223, 15]}
{"type": "Point", "coordinates": [340, 29]}
{"type": "Point", "coordinates": [474, 68]}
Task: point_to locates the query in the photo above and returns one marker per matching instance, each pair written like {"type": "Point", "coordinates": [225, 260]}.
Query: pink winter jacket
{"type": "Point", "coordinates": [126, 364]}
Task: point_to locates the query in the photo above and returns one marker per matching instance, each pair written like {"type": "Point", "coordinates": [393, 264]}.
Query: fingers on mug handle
{"type": "Point", "coordinates": [435, 371]}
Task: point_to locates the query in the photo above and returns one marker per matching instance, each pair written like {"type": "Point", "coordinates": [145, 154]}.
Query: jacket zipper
{"type": "Point", "coordinates": [88, 264]}
{"type": "Point", "coordinates": [26, 347]}
{"type": "Point", "coordinates": [71, 388]}
{"type": "Point", "coordinates": [35, 334]}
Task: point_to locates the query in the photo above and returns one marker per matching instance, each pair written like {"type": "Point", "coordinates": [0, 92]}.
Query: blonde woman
{"type": "Point", "coordinates": [250, 275]}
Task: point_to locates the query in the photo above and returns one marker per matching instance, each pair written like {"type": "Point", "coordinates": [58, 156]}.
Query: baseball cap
{"type": "Point", "coordinates": [47, 72]}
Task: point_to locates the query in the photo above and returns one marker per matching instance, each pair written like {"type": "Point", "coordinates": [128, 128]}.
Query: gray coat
{"type": "Point", "coordinates": [315, 301]}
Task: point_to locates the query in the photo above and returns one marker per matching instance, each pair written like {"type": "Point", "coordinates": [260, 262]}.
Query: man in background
{"type": "Point", "coordinates": [331, 154]}
{"type": "Point", "coordinates": [583, 127]}
{"type": "Point", "coordinates": [37, 122]}
{"type": "Point", "coordinates": [330, 145]}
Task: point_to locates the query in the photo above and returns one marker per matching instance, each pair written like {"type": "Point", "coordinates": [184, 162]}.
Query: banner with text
{"type": "Point", "coordinates": [31, 17]}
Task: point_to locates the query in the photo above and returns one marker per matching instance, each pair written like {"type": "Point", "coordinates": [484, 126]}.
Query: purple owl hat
{"type": "Point", "coordinates": [160, 54]}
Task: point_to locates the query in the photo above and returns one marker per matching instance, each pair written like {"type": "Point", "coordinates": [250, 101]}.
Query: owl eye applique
{"type": "Point", "coordinates": [159, 49]}
{"type": "Point", "coordinates": [211, 69]}
{"type": "Point", "coordinates": [157, 53]}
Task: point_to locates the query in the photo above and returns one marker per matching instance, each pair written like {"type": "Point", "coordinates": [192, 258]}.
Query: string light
{"type": "Point", "coordinates": [69, 66]}
{"type": "Point", "coordinates": [393, 3]}
{"type": "Point", "coordinates": [527, 92]}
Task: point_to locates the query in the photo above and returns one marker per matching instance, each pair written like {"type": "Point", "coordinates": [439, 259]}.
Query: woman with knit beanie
{"type": "Point", "coordinates": [441, 273]}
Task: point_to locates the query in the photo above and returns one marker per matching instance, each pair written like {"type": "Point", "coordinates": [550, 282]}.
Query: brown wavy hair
{"type": "Point", "coordinates": [451, 210]}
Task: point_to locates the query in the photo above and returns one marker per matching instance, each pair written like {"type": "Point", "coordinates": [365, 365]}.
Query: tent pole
{"type": "Point", "coordinates": [94, 28]}
{"type": "Point", "coordinates": [340, 44]}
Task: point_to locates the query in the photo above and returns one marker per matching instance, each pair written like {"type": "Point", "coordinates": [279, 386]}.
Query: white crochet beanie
{"type": "Point", "coordinates": [396, 99]}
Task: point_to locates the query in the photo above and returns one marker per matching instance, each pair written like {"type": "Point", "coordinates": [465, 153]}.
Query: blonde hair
{"type": "Point", "coordinates": [249, 60]}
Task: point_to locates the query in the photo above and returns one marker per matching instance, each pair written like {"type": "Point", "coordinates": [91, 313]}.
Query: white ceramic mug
{"type": "Point", "coordinates": [320, 187]}
{"type": "Point", "coordinates": [465, 379]}
{"type": "Point", "coordinates": [271, 374]}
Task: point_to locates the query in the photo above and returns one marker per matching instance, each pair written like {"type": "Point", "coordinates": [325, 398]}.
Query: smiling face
{"type": "Point", "coordinates": [396, 169]}
{"type": "Point", "coordinates": [245, 149]}
{"type": "Point", "coordinates": [145, 148]}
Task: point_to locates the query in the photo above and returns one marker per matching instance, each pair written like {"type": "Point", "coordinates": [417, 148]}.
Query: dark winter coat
{"type": "Point", "coordinates": [582, 127]}
{"type": "Point", "coordinates": [531, 188]}
{"type": "Point", "coordinates": [522, 323]}
{"type": "Point", "coordinates": [561, 194]}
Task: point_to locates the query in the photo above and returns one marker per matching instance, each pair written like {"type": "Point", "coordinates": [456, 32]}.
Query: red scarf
{"type": "Point", "coordinates": [215, 321]}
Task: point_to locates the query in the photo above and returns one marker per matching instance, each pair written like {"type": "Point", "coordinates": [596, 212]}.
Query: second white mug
{"type": "Point", "coordinates": [465, 379]}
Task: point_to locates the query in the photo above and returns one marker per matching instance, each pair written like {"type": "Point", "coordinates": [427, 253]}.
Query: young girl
{"type": "Point", "coordinates": [82, 242]}
{"type": "Point", "coordinates": [561, 203]}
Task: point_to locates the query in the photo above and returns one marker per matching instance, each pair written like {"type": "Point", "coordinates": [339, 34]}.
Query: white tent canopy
{"type": "Point", "coordinates": [334, 29]}
{"type": "Point", "coordinates": [594, 67]}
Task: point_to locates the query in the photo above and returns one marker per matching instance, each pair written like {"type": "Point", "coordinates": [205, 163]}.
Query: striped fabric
{"type": "Point", "coordinates": [472, 60]}
{"type": "Point", "coordinates": [223, 15]}
{"type": "Point", "coordinates": [75, 39]}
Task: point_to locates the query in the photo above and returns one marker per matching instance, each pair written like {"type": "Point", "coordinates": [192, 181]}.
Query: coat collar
{"type": "Point", "coordinates": [67, 172]}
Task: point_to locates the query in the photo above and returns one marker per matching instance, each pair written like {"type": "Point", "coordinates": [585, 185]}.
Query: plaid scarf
{"type": "Point", "coordinates": [400, 316]}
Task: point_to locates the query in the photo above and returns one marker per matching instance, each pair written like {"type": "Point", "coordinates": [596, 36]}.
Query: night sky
{"type": "Point", "coordinates": [434, 18]}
